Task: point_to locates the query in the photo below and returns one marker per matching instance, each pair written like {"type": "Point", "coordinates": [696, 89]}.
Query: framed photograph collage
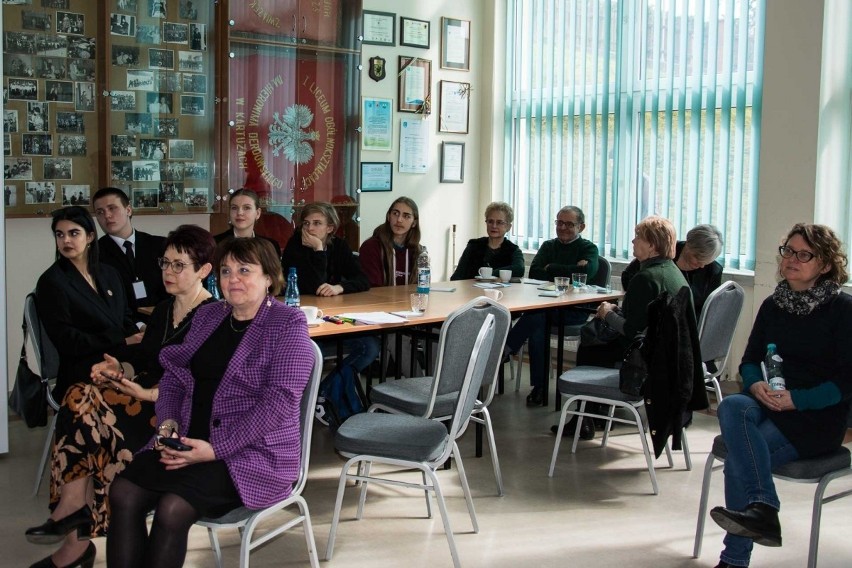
{"type": "Point", "coordinates": [450, 98]}
{"type": "Point", "coordinates": [154, 103]}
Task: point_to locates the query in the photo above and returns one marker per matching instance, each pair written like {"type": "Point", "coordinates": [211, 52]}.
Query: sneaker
{"type": "Point", "coordinates": [319, 411]}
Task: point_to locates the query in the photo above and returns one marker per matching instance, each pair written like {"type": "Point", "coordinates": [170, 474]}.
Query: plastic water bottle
{"type": "Point", "coordinates": [424, 273]}
{"type": "Point", "coordinates": [774, 371]}
{"type": "Point", "coordinates": [291, 295]}
{"type": "Point", "coordinates": [213, 286]}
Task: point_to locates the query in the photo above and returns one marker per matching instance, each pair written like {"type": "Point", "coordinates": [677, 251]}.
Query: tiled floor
{"type": "Point", "coordinates": [597, 511]}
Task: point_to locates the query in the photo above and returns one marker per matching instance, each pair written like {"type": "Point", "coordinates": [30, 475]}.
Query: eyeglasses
{"type": "Point", "coordinates": [176, 265]}
{"type": "Point", "coordinates": [566, 224]}
{"type": "Point", "coordinates": [496, 222]}
{"type": "Point", "coordinates": [801, 255]}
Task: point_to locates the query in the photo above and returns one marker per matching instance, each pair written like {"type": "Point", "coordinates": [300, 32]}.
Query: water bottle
{"type": "Point", "coordinates": [774, 372]}
{"type": "Point", "coordinates": [291, 296]}
{"type": "Point", "coordinates": [424, 273]}
{"type": "Point", "coordinates": [213, 287]}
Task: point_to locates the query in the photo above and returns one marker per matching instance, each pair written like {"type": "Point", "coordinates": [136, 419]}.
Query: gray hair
{"type": "Point", "coordinates": [705, 242]}
{"type": "Point", "coordinates": [581, 217]}
{"type": "Point", "coordinates": [501, 207]}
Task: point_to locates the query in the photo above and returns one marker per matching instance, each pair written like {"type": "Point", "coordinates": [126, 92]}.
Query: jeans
{"type": "Point", "coordinates": [532, 326]}
{"type": "Point", "coordinates": [755, 446]}
{"type": "Point", "coordinates": [362, 351]}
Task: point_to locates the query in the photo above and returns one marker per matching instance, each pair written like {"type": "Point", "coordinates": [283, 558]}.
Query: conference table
{"type": "Point", "coordinates": [517, 298]}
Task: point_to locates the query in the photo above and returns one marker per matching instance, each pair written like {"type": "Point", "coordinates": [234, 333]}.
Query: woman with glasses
{"type": "Point", "coordinates": [103, 422]}
{"type": "Point", "coordinates": [495, 250]}
{"type": "Point", "coordinates": [809, 319]}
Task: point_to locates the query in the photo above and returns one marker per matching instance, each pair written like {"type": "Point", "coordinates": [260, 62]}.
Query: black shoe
{"type": "Point", "coordinates": [536, 397]}
{"type": "Point", "coordinates": [722, 564]}
{"type": "Point", "coordinates": [52, 531]}
{"type": "Point", "coordinates": [758, 522]}
{"type": "Point", "coordinates": [86, 560]}
{"type": "Point", "coordinates": [587, 429]}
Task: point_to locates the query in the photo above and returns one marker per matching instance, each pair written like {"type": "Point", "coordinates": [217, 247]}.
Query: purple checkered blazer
{"type": "Point", "coordinates": [254, 424]}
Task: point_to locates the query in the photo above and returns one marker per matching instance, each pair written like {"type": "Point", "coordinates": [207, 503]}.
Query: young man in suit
{"type": "Point", "coordinates": [133, 253]}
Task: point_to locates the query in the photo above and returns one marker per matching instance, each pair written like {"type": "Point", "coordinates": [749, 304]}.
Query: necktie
{"type": "Point", "coordinates": [128, 246]}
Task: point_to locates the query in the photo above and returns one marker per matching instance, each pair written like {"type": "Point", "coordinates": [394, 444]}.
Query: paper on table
{"type": "Point", "coordinates": [372, 317]}
{"type": "Point", "coordinates": [408, 314]}
{"type": "Point", "coordinates": [533, 281]}
{"type": "Point", "coordinates": [487, 285]}
{"type": "Point", "coordinates": [549, 286]}
{"type": "Point", "coordinates": [443, 288]}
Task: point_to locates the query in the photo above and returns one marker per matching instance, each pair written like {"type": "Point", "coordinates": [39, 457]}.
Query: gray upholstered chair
{"type": "Point", "coordinates": [415, 442]}
{"type": "Point", "coordinates": [821, 470]}
{"type": "Point", "coordinates": [572, 332]}
{"type": "Point", "coordinates": [47, 358]}
{"type": "Point", "coordinates": [433, 397]}
{"type": "Point", "coordinates": [716, 327]}
{"type": "Point", "coordinates": [246, 520]}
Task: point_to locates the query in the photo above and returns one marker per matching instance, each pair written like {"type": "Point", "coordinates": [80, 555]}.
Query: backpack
{"type": "Point", "coordinates": [340, 396]}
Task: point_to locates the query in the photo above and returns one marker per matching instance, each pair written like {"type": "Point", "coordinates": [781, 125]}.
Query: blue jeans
{"type": "Point", "coordinates": [755, 447]}
{"type": "Point", "coordinates": [362, 351]}
{"type": "Point", "coordinates": [532, 326]}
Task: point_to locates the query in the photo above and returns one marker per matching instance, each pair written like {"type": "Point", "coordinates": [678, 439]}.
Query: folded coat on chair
{"type": "Point", "coordinates": [675, 383]}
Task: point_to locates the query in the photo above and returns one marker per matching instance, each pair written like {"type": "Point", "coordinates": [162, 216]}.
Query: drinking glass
{"type": "Point", "coordinates": [563, 283]}
{"type": "Point", "coordinates": [419, 302]}
{"type": "Point", "coordinates": [578, 279]}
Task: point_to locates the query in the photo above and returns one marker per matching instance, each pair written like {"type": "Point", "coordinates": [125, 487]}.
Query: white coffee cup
{"type": "Point", "coordinates": [505, 275]}
{"type": "Point", "coordinates": [486, 272]}
{"type": "Point", "coordinates": [493, 294]}
{"type": "Point", "coordinates": [312, 313]}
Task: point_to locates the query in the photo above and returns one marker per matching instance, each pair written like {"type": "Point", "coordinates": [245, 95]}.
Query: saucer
{"type": "Point", "coordinates": [315, 322]}
{"type": "Point", "coordinates": [487, 278]}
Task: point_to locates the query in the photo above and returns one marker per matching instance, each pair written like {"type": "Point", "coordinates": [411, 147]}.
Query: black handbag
{"type": "Point", "coordinates": [29, 395]}
{"type": "Point", "coordinates": [634, 368]}
{"type": "Point", "coordinates": [597, 332]}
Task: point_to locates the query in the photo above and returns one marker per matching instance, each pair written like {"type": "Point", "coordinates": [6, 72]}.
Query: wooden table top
{"type": "Point", "coordinates": [517, 297]}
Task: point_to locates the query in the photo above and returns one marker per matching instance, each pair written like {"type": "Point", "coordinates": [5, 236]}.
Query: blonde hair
{"type": "Point", "coordinates": [660, 234]}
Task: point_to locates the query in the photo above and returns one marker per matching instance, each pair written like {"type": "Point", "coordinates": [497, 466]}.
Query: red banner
{"type": "Point", "coordinates": [313, 20]}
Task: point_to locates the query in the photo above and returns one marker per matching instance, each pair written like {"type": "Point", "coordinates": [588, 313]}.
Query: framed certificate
{"type": "Point", "coordinates": [414, 33]}
{"type": "Point", "coordinates": [415, 85]}
{"type": "Point", "coordinates": [376, 176]}
{"type": "Point", "coordinates": [452, 162]}
{"type": "Point", "coordinates": [379, 28]}
{"type": "Point", "coordinates": [454, 112]}
{"type": "Point", "coordinates": [455, 44]}
{"type": "Point", "coordinates": [376, 132]}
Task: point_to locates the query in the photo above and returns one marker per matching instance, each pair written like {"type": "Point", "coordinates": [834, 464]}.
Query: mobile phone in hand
{"type": "Point", "coordinates": [175, 444]}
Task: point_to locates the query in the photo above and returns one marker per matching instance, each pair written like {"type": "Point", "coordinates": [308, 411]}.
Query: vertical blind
{"type": "Point", "coordinates": [628, 108]}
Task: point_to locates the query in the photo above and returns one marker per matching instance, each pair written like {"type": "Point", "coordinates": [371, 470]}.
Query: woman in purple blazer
{"type": "Point", "coordinates": [230, 394]}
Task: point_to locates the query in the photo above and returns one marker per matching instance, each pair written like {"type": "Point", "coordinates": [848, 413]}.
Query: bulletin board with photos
{"type": "Point", "coordinates": [114, 92]}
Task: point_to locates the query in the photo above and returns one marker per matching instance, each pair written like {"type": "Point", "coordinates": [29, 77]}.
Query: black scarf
{"type": "Point", "coordinates": [803, 303]}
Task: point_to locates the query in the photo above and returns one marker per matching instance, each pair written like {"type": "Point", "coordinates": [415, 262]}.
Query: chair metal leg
{"type": "Point", "coordinates": [338, 504]}
{"type": "Point", "coordinates": [577, 427]}
{"type": "Point", "coordinates": [702, 506]}
{"type": "Point", "coordinates": [517, 372]}
{"type": "Point", "coordinates": [605, 437]}
{"type": "Point", "coordinates": [427, 496]}
{"type": "Point", "coordinates": [669, 455]}
{"type": "Point", "coordinates": [364, 469]}
{"type": "Point", "coordinates": [465, 488]}
{"type": "Point", "coordinates": [214, 544]}
{"type": "Point", "coordinates": [442, 507]}
{"type": "Point", "coordinates": [649, 458]}
{"type": "Point", "coordinates": [309, 531]}
{"type": "Point", "coordinates": [492, 445]}
{"type": "Point", "coordinates": [558, 436]}
{"type": "Point", "coordinates": [48, 444]}
{"type": "Point", "coordinates": [685, 446]}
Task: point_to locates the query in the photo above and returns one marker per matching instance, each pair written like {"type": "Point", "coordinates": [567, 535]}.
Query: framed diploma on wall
{"type": "Point", "coordinates": [454, 110]}
{"type": "Point", "coordinates": [452, 162]}
{"type": "Point", "coordinates": [415, 85]}
{"type": "Point", "coordinates": [455, 44]}
{"type": "Point", "coordinates": [379, 28]}
{"type": "Point", "coordinates": [376, 176]}
{"type": "Point", "coordinates": [414, 33]}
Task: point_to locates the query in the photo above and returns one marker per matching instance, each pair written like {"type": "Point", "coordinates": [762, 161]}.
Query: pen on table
{"type": "Point", "coordinates": [347, 320]}
{"type": "Point", "coordinates": [332, 319]}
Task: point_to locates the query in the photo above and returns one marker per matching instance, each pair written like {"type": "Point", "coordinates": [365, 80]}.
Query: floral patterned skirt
{"type": "Point", "coordinates": [98, 429]}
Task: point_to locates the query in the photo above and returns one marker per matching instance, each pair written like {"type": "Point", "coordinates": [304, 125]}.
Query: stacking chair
{"type": "Point", "coordinates": [247, 520]}
{"type": "Point", "coordinates": [415, 442]}
{"type": "Point", "coordinates": [821, 470]}
{"type": "Point", "coordinates": [432, 397]}
{"type": "Point", "coordinates": [47, 358]}
{"type": "Point", "coordinates": [716, 327]}
{"type": "Point", "coordinates": [572, 332]}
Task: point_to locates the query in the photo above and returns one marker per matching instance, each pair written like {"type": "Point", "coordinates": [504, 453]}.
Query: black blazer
{"type": "Point", "coordinates": [82, 323]}
{"type": "Point", "coordinates": [229, 234]}
{"type": "Point", "coordinates": [146, 251]}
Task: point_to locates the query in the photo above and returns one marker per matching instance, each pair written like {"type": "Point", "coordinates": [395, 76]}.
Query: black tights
{"type": "Point", "coordinates": [128, 543]}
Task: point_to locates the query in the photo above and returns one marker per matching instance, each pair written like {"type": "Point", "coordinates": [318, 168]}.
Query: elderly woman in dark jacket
{"type": "Point", "coordinates": [495, 250]}
{"type": "Point", "coordinates": [809, 319]}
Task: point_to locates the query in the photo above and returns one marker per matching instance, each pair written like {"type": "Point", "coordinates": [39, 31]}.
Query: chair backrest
{"type": "Point", "coordinates": [601, 277]}
{"type": "Point", "coordinates": [306, 417]}
{"type": "Point", "coordinates": [456, 341]}
{"type": "Point", "coordinates": [502, 324]}
{"type": "Point", "coordinates": [474, 373]}
{"type": "Point", "coordinates": [44, 350]}
{"type": "Point", "coordinates": [718, 322]}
